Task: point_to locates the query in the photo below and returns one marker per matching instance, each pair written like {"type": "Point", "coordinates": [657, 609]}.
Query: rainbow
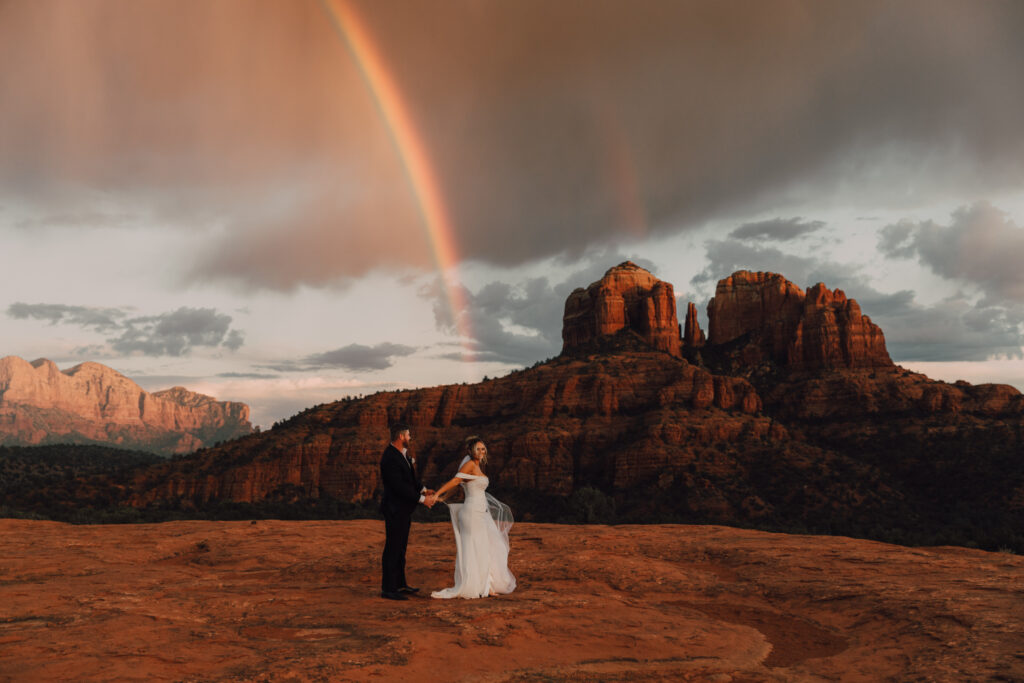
{"type": "Point", "coordinates": [413, 153]}
{"type": "Point", "coordinates": [620, 172]}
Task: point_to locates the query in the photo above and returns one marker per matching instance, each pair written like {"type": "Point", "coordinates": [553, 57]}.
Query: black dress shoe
{"type": "Point", "coordinates": [408, 589]}
{"type": "Point", "coordinates": [393, 595]}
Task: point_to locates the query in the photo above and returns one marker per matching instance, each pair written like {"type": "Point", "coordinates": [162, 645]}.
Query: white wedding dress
{"type": "Point", "coordinates": [481, 526]}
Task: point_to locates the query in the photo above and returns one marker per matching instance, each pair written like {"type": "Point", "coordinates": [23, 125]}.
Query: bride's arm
{"type": "Point", "coordinates": [449, 485]}
{"type": "Point", "coordinates": [455, 481]}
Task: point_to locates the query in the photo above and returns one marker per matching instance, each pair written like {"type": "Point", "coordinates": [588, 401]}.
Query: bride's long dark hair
{"type": "Point", "coordinates": [468, 447]}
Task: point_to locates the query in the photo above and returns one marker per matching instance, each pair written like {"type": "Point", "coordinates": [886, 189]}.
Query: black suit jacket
{"type": "Point", "coordinates": [401, 488]}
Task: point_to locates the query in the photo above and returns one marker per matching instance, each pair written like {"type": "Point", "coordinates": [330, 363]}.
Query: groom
{"type": "Point", "coordinates": [403, 490]}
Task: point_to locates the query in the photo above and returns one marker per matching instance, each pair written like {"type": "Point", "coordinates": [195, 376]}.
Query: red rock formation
{"type": "Point", "coordinates": [852, 395]}
{"type": "Point", "coordinates": [693, 336]}
{"type": "Point", "coordinates": [627, 297]}
{"type": "Point", "coordinates": [622, 418]}
{"type": "Point", "coordinates": [819, 330]}
{"type": "Point", "coordinates": [833, 333]}
{"type": "Point", "coordinates": [91, 403]}
{"type": "Point", "coordinates": [767, 315]}
{"type": "Point", "coordinates": [748, 302]}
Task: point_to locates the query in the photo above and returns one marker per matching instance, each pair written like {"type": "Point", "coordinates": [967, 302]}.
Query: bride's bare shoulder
{"type": "Point", "coordinates": [471, 467]}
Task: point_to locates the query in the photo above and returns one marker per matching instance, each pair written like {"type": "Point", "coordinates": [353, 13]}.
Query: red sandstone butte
{"type": "Point", "coordinates": [626, 298]}
{"type": "Point", "coordinates": [821, 329]}
{"type": "Point", "coordinates": [91, 403]}
{"type": "Point", "coordinates": [298, 601]}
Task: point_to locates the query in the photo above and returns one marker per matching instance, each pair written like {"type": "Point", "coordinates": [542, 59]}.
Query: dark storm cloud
{"type": "Point", "coordinates": [326, 235]}
{"type": "Point", "coordinates": [175, 333]}
{"type": "Point", "coordinates": [980, 246]}
{"type": "Point", "coordinates": [557, 124]}
{"type": "Point", "coordinates": [521, 323]}
{"type": "Point", "coordinates": [565, 124]}
{"type": "Point", "coordinates": [99, 319]}
{"type": "Point", "coordinates": [781, 229]}
{"type": "Point", "coordinates": [360, 357]}
{"type": "Point", "coordinates": [533, 307]}
{"type": "Point", "coordinates": [234, 340]}
{"type": "Point", "coordinates": [354, 357]}
{"type": "Point", "coordinates": [952, 330]}
{"type": "Point", "coordinates": [980, 249]}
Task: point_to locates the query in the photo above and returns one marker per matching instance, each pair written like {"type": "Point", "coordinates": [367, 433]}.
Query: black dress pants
{"type": "Point", "coordinates": [396, 539]}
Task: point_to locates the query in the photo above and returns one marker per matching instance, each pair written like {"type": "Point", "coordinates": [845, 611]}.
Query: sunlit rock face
{"type": "Point", "coordinates": [832, 333]}
{"type": "Point", "coordinates": [748, 302]}
{"type": "Point", "coordinates": [626, 298]}
{"type": "Point", "coordinates": [91, 403]}
{"type": "Point", "coordinates": [765, 317]}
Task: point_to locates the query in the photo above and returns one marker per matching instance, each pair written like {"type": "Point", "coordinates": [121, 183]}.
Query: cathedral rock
{"type": "Point", "coordinates": [753, 318]}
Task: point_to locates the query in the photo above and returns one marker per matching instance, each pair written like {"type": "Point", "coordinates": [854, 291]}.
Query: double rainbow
{"type": "Point", "coordinates": [413, 154]}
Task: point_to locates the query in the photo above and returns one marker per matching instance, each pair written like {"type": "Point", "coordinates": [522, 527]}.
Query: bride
{"type": "Point", "coordinates": [481, 527]}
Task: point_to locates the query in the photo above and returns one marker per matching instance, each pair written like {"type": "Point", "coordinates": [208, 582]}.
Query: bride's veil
{"type": "Point", "coordinates": [500, 513]}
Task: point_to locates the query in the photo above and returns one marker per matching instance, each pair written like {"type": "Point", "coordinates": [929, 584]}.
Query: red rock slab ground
{"type": "Point", "coordinates": [298, 601]}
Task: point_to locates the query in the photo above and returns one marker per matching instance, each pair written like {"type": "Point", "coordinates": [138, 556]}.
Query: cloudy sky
{"type": "Point", "coordinates": [285, 203]}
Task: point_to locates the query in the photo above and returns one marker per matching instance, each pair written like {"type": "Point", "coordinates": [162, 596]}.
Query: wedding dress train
{"type": "Point", "coordinates": [481, 526]}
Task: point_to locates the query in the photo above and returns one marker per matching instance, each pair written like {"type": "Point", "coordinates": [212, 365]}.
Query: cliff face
{"type": "Point", "coordinates": [91, 403]}
{"type": "Point", "coordinates": [746, 302]}
{"type": "Point", "coordinates": [764, 316]}
{"type": "Point", "coordinates": [626, 298]}
{"type": "Point", "coordinates": [550, 429]}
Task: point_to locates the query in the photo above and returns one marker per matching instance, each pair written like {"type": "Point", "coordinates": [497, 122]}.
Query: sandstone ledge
{"type": "Point", "coordinates": [271, 601]}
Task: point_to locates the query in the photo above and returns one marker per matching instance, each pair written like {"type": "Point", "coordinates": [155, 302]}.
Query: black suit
{"type": "Point", "coordinates": [401, 496]}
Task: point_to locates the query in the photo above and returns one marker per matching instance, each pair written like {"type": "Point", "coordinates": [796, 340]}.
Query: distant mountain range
{"type": "Point", "coordinates": [93, 404]}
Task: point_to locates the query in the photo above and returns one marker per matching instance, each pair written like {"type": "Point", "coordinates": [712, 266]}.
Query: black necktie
{"type": "Point", "coordinates": [412, 467]}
